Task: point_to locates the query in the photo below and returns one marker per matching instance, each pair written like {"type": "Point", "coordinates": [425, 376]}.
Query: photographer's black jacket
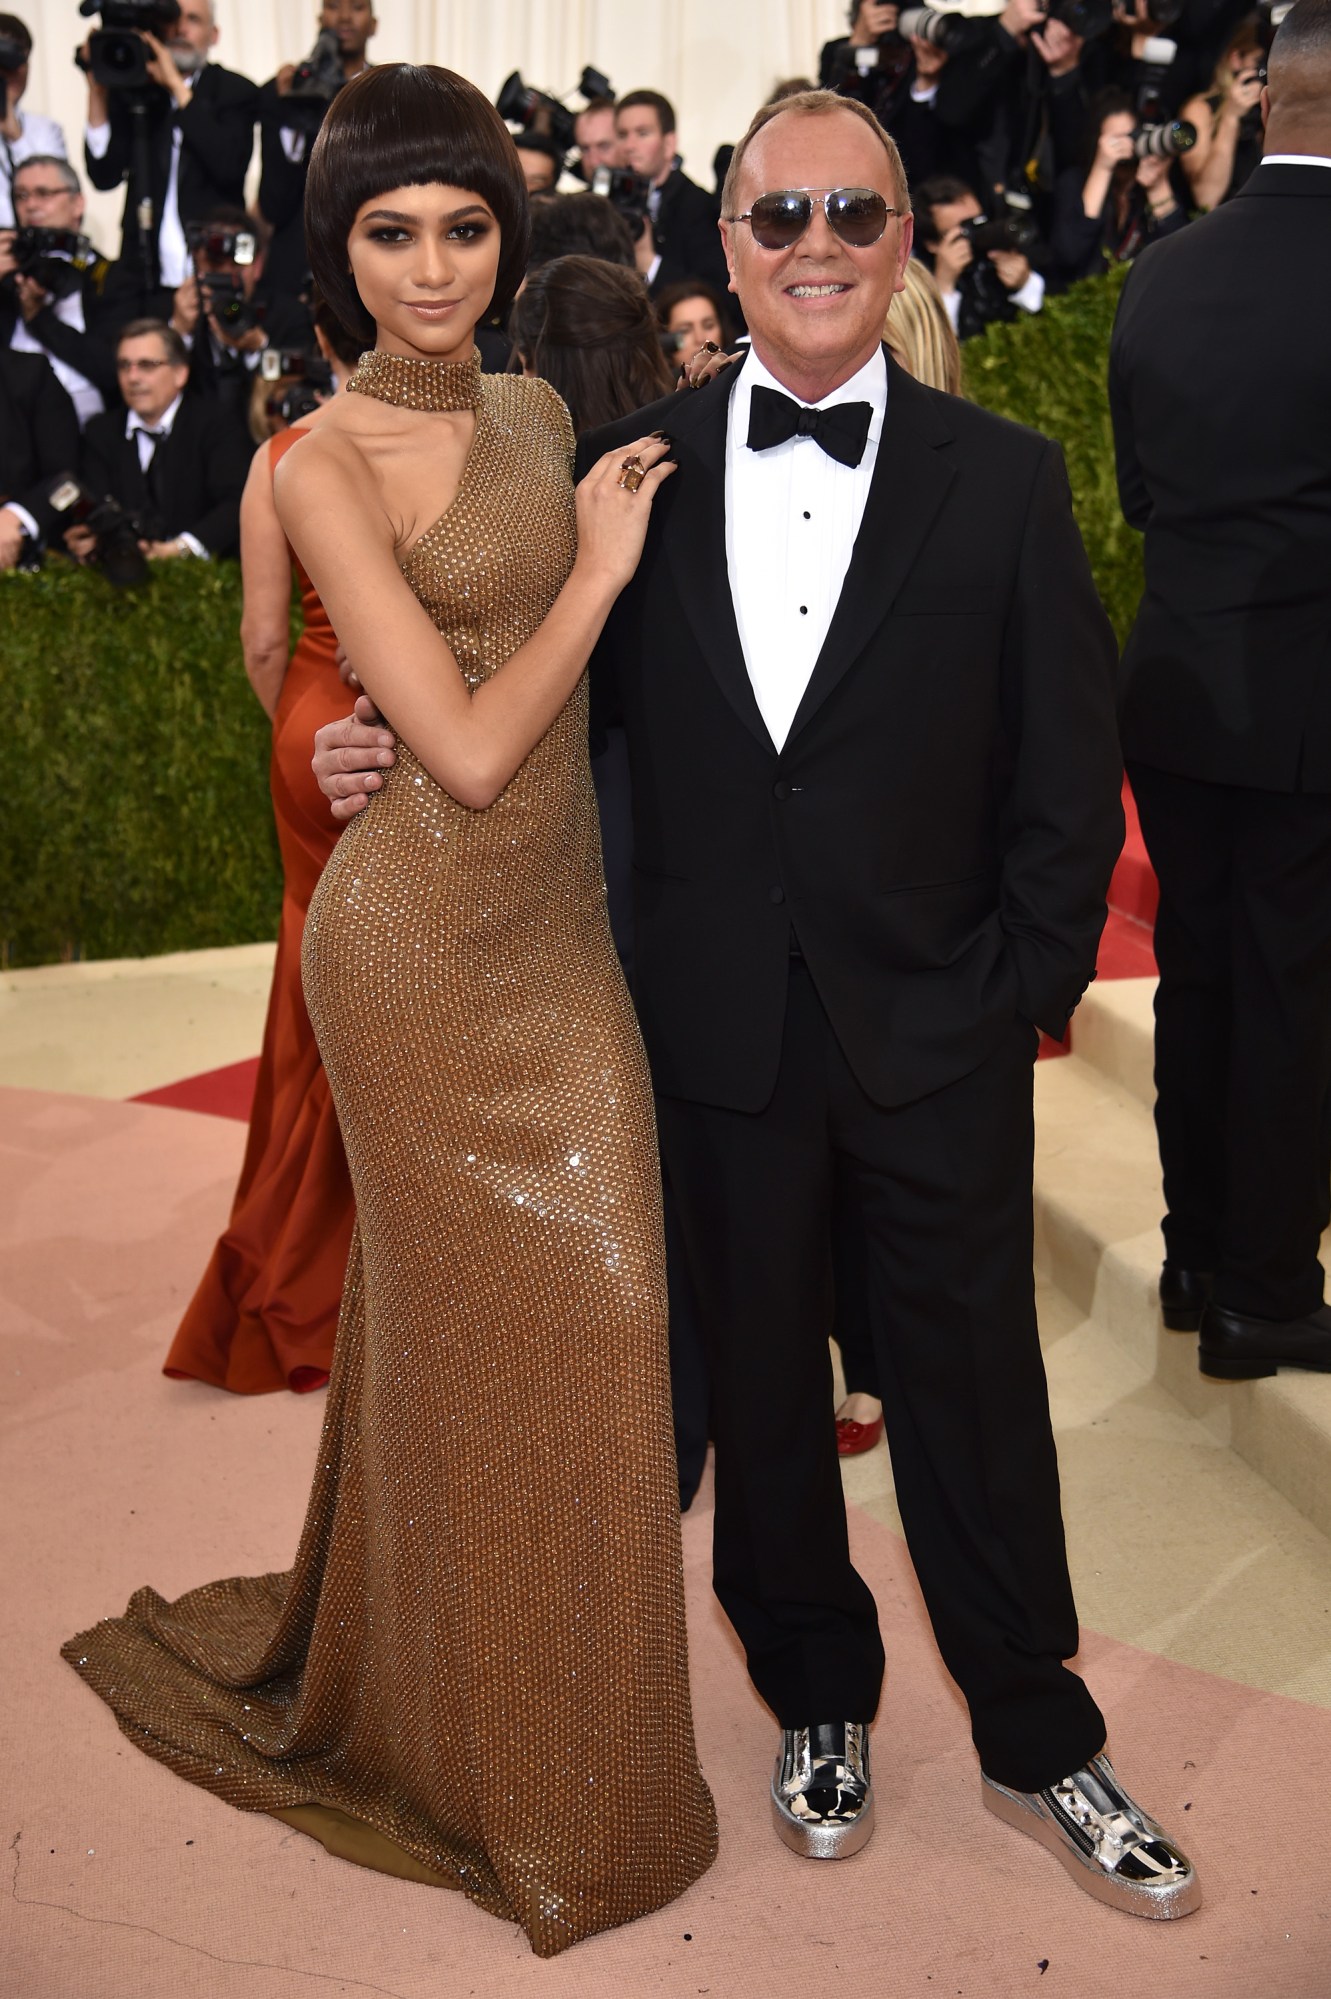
{"type": "Point", "coordinates": [217, 133]}
{"type": "Point", "coordinates": [687, 236]}
{"type": "Point", "coordinates": [939, 827]}
{"type": "Point", "coordinates": [92, 352]}
{"type": "Point", "coordinates": [1221, 399]}
{"type": "Point", "coordinates": [198, 476]}
{"type": "Point", "coordinates": [39, 432]}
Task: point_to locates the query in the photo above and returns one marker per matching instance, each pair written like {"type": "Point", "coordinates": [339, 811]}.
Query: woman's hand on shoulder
{"type": "Point", "coordinates": [613, 516]}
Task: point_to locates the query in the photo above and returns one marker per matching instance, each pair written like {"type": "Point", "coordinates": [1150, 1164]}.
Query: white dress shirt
{"type": "Point", "coordinates": [146, 444]}
{"type": "Point", "coordinates": [87, 399]}
{"type": "Point", "coordinates": [173, 258]}
{"type": "Point", "coordinates": [792, 515]}
{"type": "Point", "coordinates": [1295, 160]}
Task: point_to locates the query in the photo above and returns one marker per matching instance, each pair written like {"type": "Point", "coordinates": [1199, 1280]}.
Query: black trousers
{"type": "Point", "coordinates": [942, 1192]}
{"type": "Point", "coordinates": [1242, 1033]}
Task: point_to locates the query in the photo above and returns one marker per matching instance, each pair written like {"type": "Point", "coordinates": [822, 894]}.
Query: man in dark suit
{"type": "Point", "coordinates": [680, 240]}
{"type": "Point", "coordinates": [39, 439]}
{"type": "Point", "coordinates": [1226, 723]}
{"type": "Point", "coordinates": [55, 309]}
{"type": "Point", "coordinates": [171, 458]}
{"type": "Point", "coordinates": [868, 694]}
{"type": "Point", "coordinates": [200, 131]}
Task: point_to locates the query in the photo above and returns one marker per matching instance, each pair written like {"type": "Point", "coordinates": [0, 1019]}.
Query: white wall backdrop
{"type": "Point", "coordinates": [715, 59]}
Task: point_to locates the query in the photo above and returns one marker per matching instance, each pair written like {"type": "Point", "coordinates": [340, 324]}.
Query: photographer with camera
{"type": "Point", "coordinates": [1125, 199]}
{"type": "Point", "coordinates": [541, 159]}
{"type": "Point", "coordinates": [680, 238]}
{"type": "Point", "coordinates": [594, 136]}
{"type": "Point", "coordinates": [39, 439]}
{"type": "Point", "coordinates": [53, 285]}
{"type": "Point", "coordinates": [22, 133]}
{"type": "Point", "coordinates": [177, 129]}
{"type": "Point", "coordinates": [873, 28]}
{"type": "Point", "coordinates": [221, 318]}
{"type": "Point", "coordinates": [982, 265]}
{"type": "Point", "coordinates": [1228, 119]}
{"type": "Point", "coordinates": [291, 109]}
{"type": "Point", "coordinates": [172, 459]}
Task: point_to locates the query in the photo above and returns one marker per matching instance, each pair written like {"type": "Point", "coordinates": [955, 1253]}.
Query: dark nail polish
{"type": "Point", "coordinates": [710, 347]}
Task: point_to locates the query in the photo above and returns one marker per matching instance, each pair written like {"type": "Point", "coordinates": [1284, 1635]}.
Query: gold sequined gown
{"type": "Point", "coordinates": [476, 1672]}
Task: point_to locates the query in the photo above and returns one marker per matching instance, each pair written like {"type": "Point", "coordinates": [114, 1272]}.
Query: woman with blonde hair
{"type": "Point", "coordinates": [919, 333]}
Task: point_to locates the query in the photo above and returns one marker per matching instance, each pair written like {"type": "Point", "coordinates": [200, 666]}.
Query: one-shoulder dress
{"type": "Point", "coordinates": [476, 1672]}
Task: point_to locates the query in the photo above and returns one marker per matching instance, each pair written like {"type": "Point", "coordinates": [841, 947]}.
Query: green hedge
{"type": "Point", "coordinates": [1049, 372]}
{"type": "Point", "coordinates": [137, 816]}
{"type": "Point", "coordinates": [136, 809]}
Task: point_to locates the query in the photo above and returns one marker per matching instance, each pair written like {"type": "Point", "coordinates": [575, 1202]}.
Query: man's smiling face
{"type": "Point", "coordinates": [816, 311]}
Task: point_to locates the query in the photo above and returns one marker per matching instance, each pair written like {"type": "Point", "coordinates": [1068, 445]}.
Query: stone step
{"type": "Point", "coordinates": [1097, 1214]}
{"type": "Point", "coordinates": [1113, 1030]}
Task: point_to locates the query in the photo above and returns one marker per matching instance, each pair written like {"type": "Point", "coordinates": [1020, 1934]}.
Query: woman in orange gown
{"type": "Point", "coordinates": [265, 1312]}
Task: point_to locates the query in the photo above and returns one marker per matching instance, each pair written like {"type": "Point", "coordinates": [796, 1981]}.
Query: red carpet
{"type": "Point", "coordinates": [123, 1882]}
{"type": "Point", "coordinates": [225, 1092]}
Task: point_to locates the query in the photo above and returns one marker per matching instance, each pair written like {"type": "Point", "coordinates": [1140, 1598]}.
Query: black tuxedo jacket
{"type": "Point", "coordinates": [1220, 387]}
{"type": "Point", "coordinates": [217, 138]}
{"type": "Point", "coordinates": [39, 432]}
{"type": "Point", "coordinates": [199, 474]}
{"type": "Point", "coordinates": [687, 237]}
{"type": "Point", "coordinates": [939, 828]}
{"type": "Point", "coordinates": [92, 352]}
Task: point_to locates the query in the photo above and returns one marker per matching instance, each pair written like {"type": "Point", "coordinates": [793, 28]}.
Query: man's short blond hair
{"type": "Point", "coordinates": [813, 104]}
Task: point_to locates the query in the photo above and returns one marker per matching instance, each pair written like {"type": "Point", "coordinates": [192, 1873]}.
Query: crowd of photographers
{"type": "Point", "coordinates": [1043, 143]}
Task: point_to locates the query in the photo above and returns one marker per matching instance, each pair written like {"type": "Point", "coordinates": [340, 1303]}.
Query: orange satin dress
{"type": "Point", "coordinates": [266, 1308]}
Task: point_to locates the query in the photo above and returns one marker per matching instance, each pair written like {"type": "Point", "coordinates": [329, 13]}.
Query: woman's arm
{"type": "Point", "coordinates": [265, 568]}
{"type": "Point", "coordinates": [470, 740]}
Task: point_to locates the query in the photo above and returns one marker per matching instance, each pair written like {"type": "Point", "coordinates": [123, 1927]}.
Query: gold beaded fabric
{"type": "Point", "coordinates": [476, 1674]}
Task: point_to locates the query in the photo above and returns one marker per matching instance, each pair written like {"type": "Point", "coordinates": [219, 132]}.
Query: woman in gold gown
{"type": "Point", "coordinates": [475, 1674]}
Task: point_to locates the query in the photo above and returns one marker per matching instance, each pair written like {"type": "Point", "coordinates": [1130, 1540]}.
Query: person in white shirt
{"type": "Point", "coordinates": [57, 308]}
{"type": "Point", "coordinates": [973, 295]}
{"type": "Point", "coordinates": [23, 132]}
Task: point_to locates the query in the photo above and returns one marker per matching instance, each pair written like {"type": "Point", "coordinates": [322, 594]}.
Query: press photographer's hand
{"type": "Point", "coordinates": [162, 69]}
{"type": "Point", "coordinates": [954, 255]}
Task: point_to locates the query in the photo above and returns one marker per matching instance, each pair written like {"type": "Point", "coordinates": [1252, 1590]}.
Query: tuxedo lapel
{"type": "Point", "coordinates": [694, 539]}
{"type": "Point", "coordinates": [910, 478]}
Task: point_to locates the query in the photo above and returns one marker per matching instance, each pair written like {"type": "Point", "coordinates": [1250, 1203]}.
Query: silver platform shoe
{"type": "Point", "coordinates": [1107, 1843]}
{"type": "Point", "coordinates": [821, 1800]}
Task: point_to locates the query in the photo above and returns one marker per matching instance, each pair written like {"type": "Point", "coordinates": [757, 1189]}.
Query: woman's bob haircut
{"type": "Point", "coordinates": [404, 124]}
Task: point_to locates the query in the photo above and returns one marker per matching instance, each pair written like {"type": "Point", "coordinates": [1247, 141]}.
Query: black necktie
{"type": "Point", "coordinates": [842, 430]}
{"type": "Point", "coordinates": [151, 466]}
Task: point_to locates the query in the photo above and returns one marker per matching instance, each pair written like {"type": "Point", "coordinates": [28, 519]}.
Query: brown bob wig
{"type": "Point", "coordinates": [405, 124]}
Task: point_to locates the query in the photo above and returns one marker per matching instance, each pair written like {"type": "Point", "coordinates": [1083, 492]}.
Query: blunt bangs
{"type": "Point", "coordinates": [409, 125]}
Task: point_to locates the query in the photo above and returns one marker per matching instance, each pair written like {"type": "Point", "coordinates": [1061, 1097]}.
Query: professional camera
{"type": "Point", "coordinates": [536, 111]}
{"type": "Point", "coordinates": [118, 56]}
{"type": "Point", "coordinates": [944, 30]}
{"type": "Point", "coordinates": [118, 533]}
{"type": "Point", "coordinates": [308, 380]}
{"type": "Point", "coordinates": [1004, 232]}
{"type": "Point", "coordinates": [223, 296]}
{"type": "Point", "coordinates": [221, 242]}
{"type": "Point", "coordinates": [1164, 141]}
{"type": "Point", "coordinates": [55, 259]}
{"type": "Point", "coordinates": [625, 191]}
{"type": "Point", "coordinates": [314, 84]}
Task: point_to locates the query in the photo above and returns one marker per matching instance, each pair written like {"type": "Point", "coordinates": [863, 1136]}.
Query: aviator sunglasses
{"type": "Point", "coordinates": [856, 214]}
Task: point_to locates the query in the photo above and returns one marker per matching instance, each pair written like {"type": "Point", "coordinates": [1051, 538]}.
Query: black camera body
{"type": "Point", "coordinates": [1004, 232]}
{"type": "Point", "coordinates": [314, 84]}
{"type": "Point", "coordinates": [308, 377]}
{"type": "Point", "coordinates": [118, 56]}
{"type": "Point", "coordinates": [223, 297]}
{"type": "Point", "coordinates": [221, 242]}
{"type": "Point", "coordinates": [535, 111]}
{"type": "Point", "coordinates": [117, 532]}
{"type": "Point", "coordinates": [626, 191]}
{"type": "Point", "coordinates": [55, 259]}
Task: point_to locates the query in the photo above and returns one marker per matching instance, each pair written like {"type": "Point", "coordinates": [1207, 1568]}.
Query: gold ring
{"type": "Point", "coordinates": [632, 473]}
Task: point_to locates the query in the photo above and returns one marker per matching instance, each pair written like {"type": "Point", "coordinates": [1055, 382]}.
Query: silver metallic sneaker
{"type": "Point", "coordinates": [1107, 1843]}
{"type": "Point", "coordinates": [821, 1800]}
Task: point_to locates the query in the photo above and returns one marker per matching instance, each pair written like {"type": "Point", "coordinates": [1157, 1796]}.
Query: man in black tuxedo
{"type": "Point", "coordinates": [680, 239]}
{"type": "Point", "coordinates": [54, 309]}
{"type": "Point", "coordinates": [39, 439]}
{"type": "Point", "coordinates": [172, 458]}
{"type": "Point", "coordinates": [200, 120]}
{"type": "Point", "coordinates": [868, 694]}
{"type": "Point", "coordinates": [1226, 723]}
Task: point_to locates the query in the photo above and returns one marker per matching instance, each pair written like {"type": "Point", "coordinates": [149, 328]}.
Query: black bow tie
{"type": "Point", "coordinates": [842, 430]}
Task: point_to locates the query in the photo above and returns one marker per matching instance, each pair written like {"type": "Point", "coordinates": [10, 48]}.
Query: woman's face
{"type": "Point", "coordinates": [425, 261]}
{"type": "Point", "coordinates": [694, 321]}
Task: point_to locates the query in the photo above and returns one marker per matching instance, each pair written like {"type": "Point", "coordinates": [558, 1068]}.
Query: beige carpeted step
{"type": "Point", "coordinates": [1097, 1211]}
{"type": "Point", "coordinates": [1113, 1029]}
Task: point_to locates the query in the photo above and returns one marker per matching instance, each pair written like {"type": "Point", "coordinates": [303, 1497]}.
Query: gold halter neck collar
{"type": "Point", "coordinates": [419, 385]}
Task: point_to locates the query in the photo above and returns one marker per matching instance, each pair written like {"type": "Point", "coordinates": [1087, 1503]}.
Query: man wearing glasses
{"type": "Point", "coordinates": [171, 458]}
{"type": "Point", "coordinates": [868, 693]}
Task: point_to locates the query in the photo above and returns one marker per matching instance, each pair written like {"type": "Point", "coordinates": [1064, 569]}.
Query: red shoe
{"type": "Point", "coordinates": [854, 1438]}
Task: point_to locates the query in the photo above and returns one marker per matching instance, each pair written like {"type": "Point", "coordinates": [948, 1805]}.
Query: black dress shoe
{"type": "Point", "coordinates": [1235, 1347]}
{"type": "Point", "coordinates": [1183, 1293]}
